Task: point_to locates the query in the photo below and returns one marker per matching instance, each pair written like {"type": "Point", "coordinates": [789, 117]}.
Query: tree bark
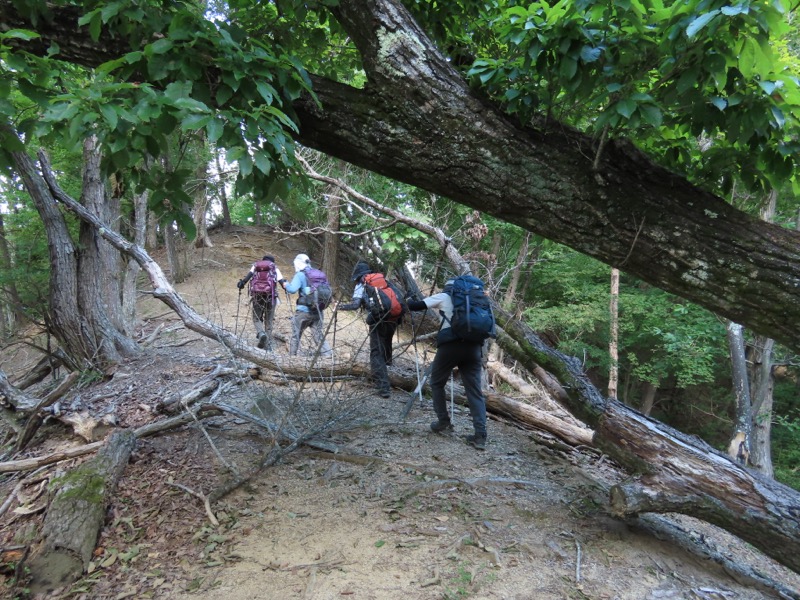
{"type": "Point", "coordinates": [613, 337]}
{"type": "Point", "coordinates": [74, 518]}
{"type": "Point", "coordinates": [13, 301]}
{"type": "Point", "coordinates": [739, 446]}
{"type": "Point", "coordinates": [761, 387]}
{"type": "Point", "coordinates": [100, 264]}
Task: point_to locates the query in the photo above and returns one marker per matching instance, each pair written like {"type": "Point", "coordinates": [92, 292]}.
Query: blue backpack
{"type": "Point", "coordinates": [473, 319]}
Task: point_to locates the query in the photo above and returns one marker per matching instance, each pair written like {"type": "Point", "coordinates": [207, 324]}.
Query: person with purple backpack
{"type": "Point", "coordinates": [264, 277]}
{"type": "Point", "coordinates": [314, 295]}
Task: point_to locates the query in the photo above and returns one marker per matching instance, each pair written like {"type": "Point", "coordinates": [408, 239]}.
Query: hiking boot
{"type": "Point", "coordinates": [262, 340]}
{"type": "Point", "coordinates": [441, 426]}
{"type": "Point", "coordinates": [385, 393]}
{"type": "Point", "coordinates": [477, 441]}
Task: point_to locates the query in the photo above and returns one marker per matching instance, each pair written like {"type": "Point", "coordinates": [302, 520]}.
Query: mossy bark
{"type": "Point", "coordinates": [75, 515]}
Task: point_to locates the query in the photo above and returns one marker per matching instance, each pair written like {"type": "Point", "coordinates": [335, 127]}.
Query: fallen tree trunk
{"type": "Point", "coordinates": [670, 471]}
{"type": "Point", "coordinates": [75, 515]}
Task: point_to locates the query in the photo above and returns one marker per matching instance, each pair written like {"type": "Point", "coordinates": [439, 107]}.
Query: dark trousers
{"type": "Point", "coordinates": [380, 352]}
{"type": "Point", "coordinates": [467, 357]}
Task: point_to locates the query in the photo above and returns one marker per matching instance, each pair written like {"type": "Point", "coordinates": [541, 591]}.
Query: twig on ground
{"type": "Point", "coordinates": [202, 497]}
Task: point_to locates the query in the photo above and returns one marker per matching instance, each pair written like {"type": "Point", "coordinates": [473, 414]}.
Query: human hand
{"type": "Point", "coordinates": [240, 284]}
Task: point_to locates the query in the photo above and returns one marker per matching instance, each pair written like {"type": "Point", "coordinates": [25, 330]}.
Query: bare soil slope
{"type": "Point", "coordinates": [398, 512]}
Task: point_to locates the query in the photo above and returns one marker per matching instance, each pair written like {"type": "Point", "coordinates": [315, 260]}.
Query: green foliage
{"type": "Point", "coordinates": [195, 75]}
{"type": "Point", "coordinates": [661, 338]}
{"type": "Point", "coordinates": [786, 429]}
{"type": "Point", "coordinates": [663, 73]}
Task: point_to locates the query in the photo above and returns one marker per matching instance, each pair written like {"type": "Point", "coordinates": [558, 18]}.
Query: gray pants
{"type": "Point", "coordinates": [300, 322]}
{"type": "Point", "coordinates": [263, 315]}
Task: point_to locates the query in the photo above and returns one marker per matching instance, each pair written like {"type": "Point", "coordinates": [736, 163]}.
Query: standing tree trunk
{"type": "Point", "coordinates": [13, 314]}
{"type": "Point", "coordinates": [78, 314]}
{"type": "Point", "coordinates": [132, 269]}
{"type": "Point", "coordinates": [200, 194]}
{"type": "Point", "coordinates": [648, 397]}
{"type": "Point", "coordinates": [100, 264]}
{"type": "Point", "coordinates": [761, 386]}
{"type": "Point", "coordinates": [174, 244]}
{"type": "Point", "coordinates": [223, 194]}
{"type": "Point", "coordinates": [330, 250]}
{"type": "Point", "coordinates": [152, 231]}
{"type": "Point", "coordinates": [739, 447]}
{"type": "Point", "coordinates": [761, 381]}
{"type": "Point", "coordinates": [613, 337]}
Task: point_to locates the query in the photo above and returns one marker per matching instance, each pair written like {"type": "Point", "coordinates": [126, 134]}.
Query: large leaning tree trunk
{"type": "Point", "coordinates": [416, 120]}
{"type": "Point", "coordinates": [79, 317]}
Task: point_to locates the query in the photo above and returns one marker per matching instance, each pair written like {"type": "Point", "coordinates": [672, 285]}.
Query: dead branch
{"type": "Point", "coordinates": [202, 498]}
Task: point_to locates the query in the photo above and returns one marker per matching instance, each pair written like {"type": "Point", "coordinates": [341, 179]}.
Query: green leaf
{"type": "Point", "coordinates": [700, 22]}
{"type": "Point", "coordinates": [589, 54]}
{"type": "Point", "coordinates": [720, 103]}
{"type": "Point", "coordinates": [20, 34]}
{"type": "Point", "coordinates": [195, 121]}
{"type": "Point", "coordinates": [263, 162]}
{"type": "Point", "coordinates": [214, 130]}
{"type": "Point", "coordinates": [161, 46]}
{"type": "Point", "coordinates": [651, 114]}
{"type": "Point", "coordinates": [266, 91]}
{"type": "Point", "coordinates": [109, 112]}
{"type": "Point", "coordinates": [568, 67]}
{"type": "Point", "coordinates": [626, 107]}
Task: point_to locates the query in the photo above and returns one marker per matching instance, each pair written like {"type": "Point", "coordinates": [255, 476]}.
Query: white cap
{"type": "Point", "coordinates": [301, 261]}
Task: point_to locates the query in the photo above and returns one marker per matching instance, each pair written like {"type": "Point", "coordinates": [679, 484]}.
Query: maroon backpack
{"type": "Point", "coordinates": [264, 280]}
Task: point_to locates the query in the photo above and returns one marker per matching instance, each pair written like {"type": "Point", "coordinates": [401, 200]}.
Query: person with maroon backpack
{"type": "Point", "coordinates": [264, 277]}
{"type": "Point", "coordinates": [383, 304]}
{"type": "Point", "coordinates": [314, 295]}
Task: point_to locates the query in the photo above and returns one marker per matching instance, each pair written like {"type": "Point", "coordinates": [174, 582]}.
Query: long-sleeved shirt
{"type": "Point", "coordinates": [298, 282]}
{"type": "Point", "coordinates": [358, 299]}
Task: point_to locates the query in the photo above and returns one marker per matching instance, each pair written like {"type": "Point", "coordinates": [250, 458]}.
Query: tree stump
{"type": "Point", "coordinates": [75, 515]}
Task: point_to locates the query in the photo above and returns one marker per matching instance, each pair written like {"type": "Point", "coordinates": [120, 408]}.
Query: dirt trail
{"type": "Point", "coordinates": [399, 513]}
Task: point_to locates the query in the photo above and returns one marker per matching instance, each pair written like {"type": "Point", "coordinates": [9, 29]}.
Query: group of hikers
{"type": "Point", "coordinates": [466, 314]}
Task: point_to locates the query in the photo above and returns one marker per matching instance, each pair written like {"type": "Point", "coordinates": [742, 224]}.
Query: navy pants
{"type": "Point", "coordinates": [467, 357]}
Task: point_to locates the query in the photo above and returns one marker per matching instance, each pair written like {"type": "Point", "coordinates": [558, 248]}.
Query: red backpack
{"type": "Point", "coordinates": [264, 280]}
{"type": "Point", "coordinates": [383, 298]}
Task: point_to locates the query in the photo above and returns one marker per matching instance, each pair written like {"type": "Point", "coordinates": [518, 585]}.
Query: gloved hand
{"type": "Point", "coordinates": [283, 283]}
{"type": "Point", "coordinates": [240, 284]}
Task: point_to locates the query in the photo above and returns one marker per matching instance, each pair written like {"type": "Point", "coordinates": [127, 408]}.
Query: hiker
{"type": "Point", "coordinates": [384, 311]}
{"type": "Point", "coordinates": [453, 351]}
{"type": "Point", "coordinates": [306, 283]}
{"type": "Point", "coordinates": [263, 277]}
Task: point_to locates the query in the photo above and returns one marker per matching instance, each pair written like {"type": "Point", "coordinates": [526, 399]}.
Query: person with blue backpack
{"type": "Point", "coordinates": [314, 295]}
{"type": "Point", "coordinates": [467, 321]}
{"type": "Point", "coordinates": [384, 308]}
{"type": "Point", "coordinates": [264, 277]}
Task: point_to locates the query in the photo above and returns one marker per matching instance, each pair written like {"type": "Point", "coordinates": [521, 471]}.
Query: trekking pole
{"type": "Point", "coordinates": [236, 323]}
{"type": "Point", "coordinates": [451, 396]}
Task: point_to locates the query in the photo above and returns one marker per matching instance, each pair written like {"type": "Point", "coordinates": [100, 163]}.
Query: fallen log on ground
{"type": "Point", "coordinates": [671, 471]}
{"type": "Point", "coordinates": [75, 515]}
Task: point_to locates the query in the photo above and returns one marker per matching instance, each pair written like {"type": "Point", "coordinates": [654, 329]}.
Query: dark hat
{"type": "Point", "coordinates": [269, 258]}
{"type": "Point", "coordinates": [361, 269]}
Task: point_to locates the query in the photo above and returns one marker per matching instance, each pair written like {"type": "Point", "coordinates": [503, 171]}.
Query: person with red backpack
{"type": "Point", "coordinates": [384, 306]}
{"type": "Point", "coordinates": [314, 295]}
{"type": "Point", "coordinates": [264, 277]}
